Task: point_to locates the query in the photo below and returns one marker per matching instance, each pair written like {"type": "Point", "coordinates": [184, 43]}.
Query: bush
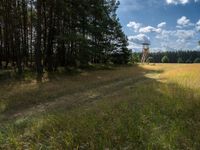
{"type": "Point", "coordinates": [189, 61]}
{"type": "Point", "coordinates": [165, 59]}
{"type": "Point", "coordinates": [136, 57]}
{"type": "Point", "coordinates": [180, 60]}
{"type": "Point", "coordinates": [197, 60]}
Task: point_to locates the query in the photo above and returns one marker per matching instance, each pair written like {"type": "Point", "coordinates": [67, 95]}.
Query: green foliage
{"type": "Point", "coordinates": [174, 55]}
{"type": "Point", "coordinates": [180, 60]}
{"type": "Point", "coordinates": [136, 57]}
{"type": "Point", "coordinates": [165, 59]}
{"type": "Point", "coordinates": [197, 60]}
{"type": "Point", "coordinates": [189, 61]}
{"type": "Point", "coordinates": [63, 33]}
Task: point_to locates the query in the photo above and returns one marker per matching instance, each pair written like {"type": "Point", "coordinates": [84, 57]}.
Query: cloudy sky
{"type": "Point", "coordinates": [166, 24]}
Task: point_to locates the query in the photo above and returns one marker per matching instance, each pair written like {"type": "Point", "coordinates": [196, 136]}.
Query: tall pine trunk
{"type": "Point", "coordinates": [38, 51]}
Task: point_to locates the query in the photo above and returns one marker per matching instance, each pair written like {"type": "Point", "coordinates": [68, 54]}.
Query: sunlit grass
{"type": "Point", "coordinates": [144, 107]}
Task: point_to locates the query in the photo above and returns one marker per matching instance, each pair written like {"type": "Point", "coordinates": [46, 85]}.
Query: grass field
{"type": "Point", "coordinates": [136, 107]}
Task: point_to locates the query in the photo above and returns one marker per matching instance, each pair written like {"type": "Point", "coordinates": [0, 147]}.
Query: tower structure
{"type": "Point", "coordinates": [145, 52]}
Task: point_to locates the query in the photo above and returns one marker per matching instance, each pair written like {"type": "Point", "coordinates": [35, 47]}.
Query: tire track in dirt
{"type": "Point", "coordinates": [84, 96]}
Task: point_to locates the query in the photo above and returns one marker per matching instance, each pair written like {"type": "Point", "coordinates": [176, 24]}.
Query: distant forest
{"type": "Point", "coordinates": [47, 34]}
{"type": "Point", "coordinates": [171, 57]}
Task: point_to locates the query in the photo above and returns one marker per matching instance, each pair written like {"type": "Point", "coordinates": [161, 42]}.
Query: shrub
{"type": "Point", "coordinates": [165, 59]}
{"type": "Point", "coordinates": [136, 57]}
{"type": "Point", "coordinates": [180, 60]}
{"type": "Point", "coordinates": [197, 60]}
{"type": "Point", "coordinates": [189, 61]}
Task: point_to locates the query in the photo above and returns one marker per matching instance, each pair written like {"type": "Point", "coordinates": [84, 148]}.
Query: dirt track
{"type": "Point", "coordinates": [82, 89]}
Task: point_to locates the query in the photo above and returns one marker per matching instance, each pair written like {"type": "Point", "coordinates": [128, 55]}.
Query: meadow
{"type": "Point", "coordinates": [155, 106]}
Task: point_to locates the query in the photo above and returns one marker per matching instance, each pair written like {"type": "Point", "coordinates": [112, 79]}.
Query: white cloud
{"type": "Point", "coordinates": [183, 21]}
{"type": "Point", "coordinates": [166, 34]}
{"type": "Point", "coordinates": [177, 34]}
{"type": "Point", "coordinates": [138, 27]}
{"type": "Point", "coordinates": [149, 29]}
{"type": "Point", "coordinates": [134, 25]}
{"type": "Point", "coordinates": [198, 25]}
{"type": "Point", "coordinates": [177, 1]}
{"type": "Point", "coordinates": [134, 46]}
{"type": "Point", "coordinates": [176, 39]}
{"type": "Point", "coordinates": [183, 2]}
{"type": "Point", "coordinates": [183, 37]}
{"type": "Point", "coordinates": [162, 24]}
{"type": "Point", "coordinates": [180, 27]}
{"type": "Point", "coordinates": [139, 39]}
{"type": "Point", "coordinates": [185, 34]}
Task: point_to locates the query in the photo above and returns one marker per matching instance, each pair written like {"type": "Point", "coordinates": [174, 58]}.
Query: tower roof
{"type": "Point", "coordinates": [146, 44]}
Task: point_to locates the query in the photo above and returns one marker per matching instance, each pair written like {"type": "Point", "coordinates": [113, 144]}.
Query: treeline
{"type": "Point", "coordinates": [176, 56]}
{"type": "Point", "coordinates": [171, 57]}
{"type": "Point", "coordinates": [47, 34]}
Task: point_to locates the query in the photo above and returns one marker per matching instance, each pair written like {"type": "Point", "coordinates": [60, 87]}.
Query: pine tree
{"type": "Point", "coordinates": [38, 50]}
{"type": "Point", "coordinates": [67, 33]}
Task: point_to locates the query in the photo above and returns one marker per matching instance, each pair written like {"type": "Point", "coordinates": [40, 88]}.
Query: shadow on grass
{"type": "Point", "coordinates": [9, 76]}
{"type": "Point", "coordinates": [142, 113]}
{"type": "Point", "coordinates": [54, 87]}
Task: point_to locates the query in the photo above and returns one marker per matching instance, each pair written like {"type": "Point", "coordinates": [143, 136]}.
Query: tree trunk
{"type": "Point", "coordinates": [38, 51]}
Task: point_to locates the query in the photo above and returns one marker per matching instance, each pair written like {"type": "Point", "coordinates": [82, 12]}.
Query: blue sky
{"type": "Point", "coordinates": [166, 24]}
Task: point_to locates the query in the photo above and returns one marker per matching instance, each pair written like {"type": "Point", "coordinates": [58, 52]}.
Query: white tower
{"type": "Point", "coordinates": [145, 52]}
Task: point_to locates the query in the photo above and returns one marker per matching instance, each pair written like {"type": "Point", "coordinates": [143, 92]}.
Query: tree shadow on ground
{"type": "Point", "coordinates": [136, 112]}
{"type": "Point", "coordinates": [22, 95]}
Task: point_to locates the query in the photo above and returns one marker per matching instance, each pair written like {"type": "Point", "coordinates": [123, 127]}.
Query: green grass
{"type": "Point", "coordinates": [139, 107]}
